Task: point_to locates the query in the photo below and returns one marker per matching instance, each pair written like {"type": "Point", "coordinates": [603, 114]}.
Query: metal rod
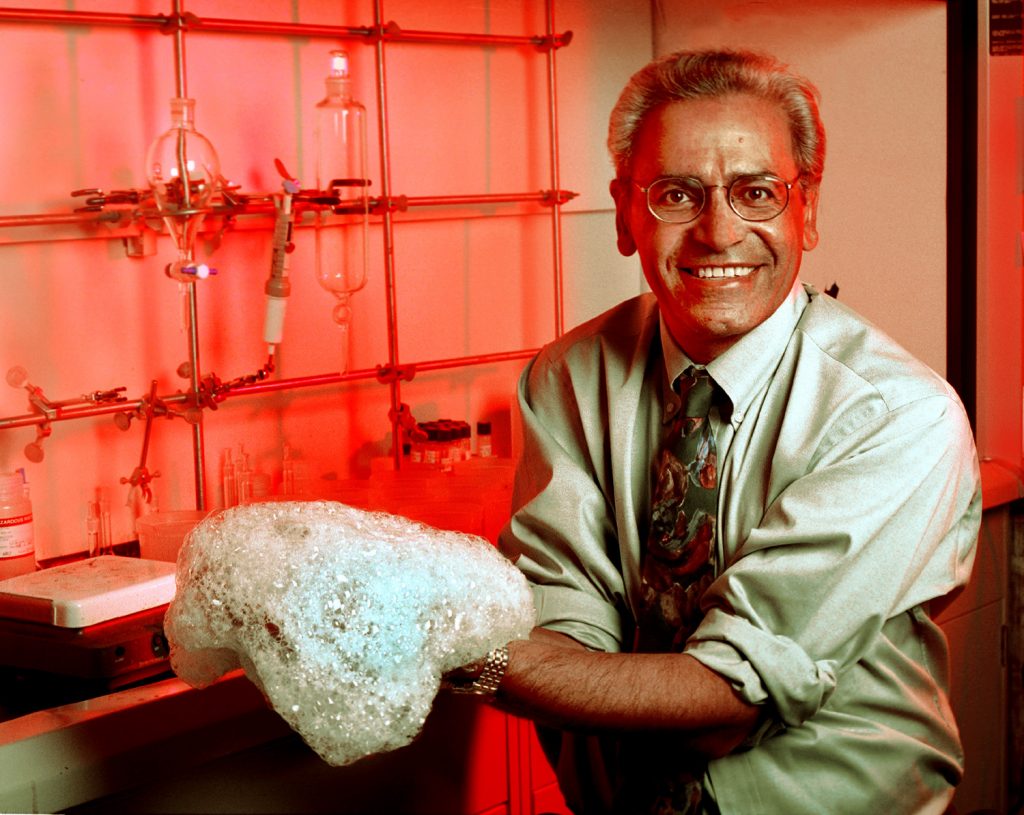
{"type": "Point", "coordinates": [84, 412]}
{"type": "Point", "coordinates": [82, 18]}
{"type": "Point", "coordinates": [556, 210]}
{"type": "Point", "coordinates": [394, 34]}
{"type": "Point", "coordinates": [319, 380]}
{"type": "Point", "coordinates": [56, 218]}
{"type": "Point", "coordinates": [391, 298]}
{"type": "Point", "coordinates": [261, 208]}
{"type": "Point", "coordinates": [149, 424]}
{"type": "Point", "coordinates": [312, 381]}
{"type": "Point", "coordinates": [543, 197]}
{"type": "Point", "coordinates": [478, 359]}
{"type": "Point", "coordinates": [198, 447]}
{"type": "Point", "coordinates": [180, 80]}
{"type": "Point", "coordinates": [220, 25]}
{"type": "Point", "coordinates": [70, 413]}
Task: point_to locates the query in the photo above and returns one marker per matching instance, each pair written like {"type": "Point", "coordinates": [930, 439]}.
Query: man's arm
{"type": "Point", "coordinates": [554, 680]}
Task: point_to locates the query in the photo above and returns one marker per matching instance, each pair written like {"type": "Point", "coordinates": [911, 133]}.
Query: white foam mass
{"type": "Point", "coordinates": [345, 619]}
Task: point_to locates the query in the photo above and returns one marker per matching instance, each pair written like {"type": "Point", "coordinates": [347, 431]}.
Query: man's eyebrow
{"type": "Point", "coordinates": [728, 179]}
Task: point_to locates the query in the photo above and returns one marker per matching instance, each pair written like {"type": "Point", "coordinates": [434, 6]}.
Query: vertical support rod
{"type": "Point", "coordinates": [198, 446]}
{"type": "Point", "coordinates": [180, 81]}
{"type": "Point", "coordinates": [388, 235]}
{"type": "Point", "coordinates": [556, 185]}
{"type": "Point", "coordinates": [181, 90]}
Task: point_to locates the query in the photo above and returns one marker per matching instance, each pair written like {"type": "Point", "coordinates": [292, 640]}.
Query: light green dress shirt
{"type": "Point", "coordinates": [849, 497]}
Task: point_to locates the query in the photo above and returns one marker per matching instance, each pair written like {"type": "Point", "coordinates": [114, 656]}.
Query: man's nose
{"type": "Point", "coordinates": [717, 226]}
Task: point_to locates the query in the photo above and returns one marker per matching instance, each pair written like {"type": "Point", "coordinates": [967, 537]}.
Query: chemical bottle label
{"type": "Point", "coordinates": [16, 536]}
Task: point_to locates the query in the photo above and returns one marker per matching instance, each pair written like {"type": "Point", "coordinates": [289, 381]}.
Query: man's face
{"type": "Point", "coordinates": [715, 140]}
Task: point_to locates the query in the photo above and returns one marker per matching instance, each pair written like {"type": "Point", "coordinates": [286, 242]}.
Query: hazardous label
{"type": "Point", "coordinates": [16, 536]}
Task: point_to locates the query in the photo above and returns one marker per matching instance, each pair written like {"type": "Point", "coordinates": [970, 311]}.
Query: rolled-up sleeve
{"type": "Point", "coordinates": [561, 535]}
{"type": "Point", "coordinates": [884, 519]}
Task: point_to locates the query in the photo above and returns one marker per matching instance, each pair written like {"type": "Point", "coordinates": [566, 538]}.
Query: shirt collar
{"type": "Point", "coordinates": [742, 370]}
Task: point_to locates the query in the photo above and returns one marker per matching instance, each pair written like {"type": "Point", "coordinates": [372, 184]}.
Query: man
{"type": "Point", "coordinates": [840, 471]}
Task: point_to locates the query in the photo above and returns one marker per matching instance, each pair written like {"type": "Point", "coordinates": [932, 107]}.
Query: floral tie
{"type": "Point", "coordinates": [680, 560]}
{"type": "Point", "coordinates": [678, 566]}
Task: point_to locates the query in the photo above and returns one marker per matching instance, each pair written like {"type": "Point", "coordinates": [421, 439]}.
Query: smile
{"type": "Point", "coordinates": [709, 272]}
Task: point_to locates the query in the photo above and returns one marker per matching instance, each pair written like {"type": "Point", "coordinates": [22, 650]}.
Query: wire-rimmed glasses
{"type": "Point", "coordinates": [679, 200]}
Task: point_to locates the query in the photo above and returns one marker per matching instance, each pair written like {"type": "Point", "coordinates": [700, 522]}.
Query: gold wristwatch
{"type": "Point", "coordinates": [480, 678]}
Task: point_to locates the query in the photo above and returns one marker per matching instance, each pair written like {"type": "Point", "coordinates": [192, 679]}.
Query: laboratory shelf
{"type": "Point", "coordinates": [125, 216]}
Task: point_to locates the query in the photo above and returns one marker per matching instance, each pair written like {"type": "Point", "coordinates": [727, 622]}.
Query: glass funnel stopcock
{"type": "Point", "coordinates": [183, 171]}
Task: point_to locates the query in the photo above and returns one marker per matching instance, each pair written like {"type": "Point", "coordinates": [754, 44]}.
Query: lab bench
{"type": "Point", "coordinates": [166, 747]}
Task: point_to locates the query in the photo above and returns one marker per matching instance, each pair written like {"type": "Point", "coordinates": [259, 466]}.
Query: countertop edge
{"type": "Point", "coordinates": [57, 758]}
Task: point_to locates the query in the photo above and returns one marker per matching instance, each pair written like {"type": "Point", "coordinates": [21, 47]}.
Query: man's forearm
{"type": "Point", "coordinates": [554, 680]}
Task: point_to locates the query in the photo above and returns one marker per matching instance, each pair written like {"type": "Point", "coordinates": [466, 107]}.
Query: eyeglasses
{"type": "Point", "coordinates": [679, 200]}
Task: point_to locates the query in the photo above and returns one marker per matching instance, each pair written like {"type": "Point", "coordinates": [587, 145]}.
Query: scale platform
{"type": "Point", "coordinates": [99, 619]}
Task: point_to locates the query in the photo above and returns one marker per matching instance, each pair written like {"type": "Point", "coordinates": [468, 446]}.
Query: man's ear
{"type": "Point", "coordinates": [620, 194]}
{"type": "Point", "coordinates": [810, 218]}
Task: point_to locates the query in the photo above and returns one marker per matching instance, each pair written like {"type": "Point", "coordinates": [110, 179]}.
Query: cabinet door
{"type": "Point", "coordinates": [457, 766]}
{"type": "Point", "coordinates": [973, 623]}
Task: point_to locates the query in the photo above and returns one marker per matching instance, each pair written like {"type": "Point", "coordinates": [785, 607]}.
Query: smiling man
{"type": "Point", "coordinates": [736, 498]}
{"type": "Point", "coordinates": [724, 246]}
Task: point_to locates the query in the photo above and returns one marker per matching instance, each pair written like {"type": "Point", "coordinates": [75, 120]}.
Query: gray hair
{"type": "Point", "coordinates": [695, 74]}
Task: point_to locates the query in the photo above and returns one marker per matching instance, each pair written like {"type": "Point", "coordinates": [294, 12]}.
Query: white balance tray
{"type": "Point", "coordinates": [87, 592]}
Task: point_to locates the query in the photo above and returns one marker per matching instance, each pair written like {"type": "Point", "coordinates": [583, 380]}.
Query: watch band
{"type": "Point", "coordinates": [486, 684]}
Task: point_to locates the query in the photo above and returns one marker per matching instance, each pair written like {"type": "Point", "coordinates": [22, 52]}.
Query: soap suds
{"type": "Point", "coordinates": [345, 619]}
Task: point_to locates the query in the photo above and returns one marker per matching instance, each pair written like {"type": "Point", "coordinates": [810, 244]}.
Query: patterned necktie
{"type": "Point", "coordinates": [679, 563]}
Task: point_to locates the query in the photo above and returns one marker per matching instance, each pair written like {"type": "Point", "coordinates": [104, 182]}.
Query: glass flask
{"type": "Point", "coordinates": [341, 231]}
{"type": "Point", "coordinates": [183, 170]}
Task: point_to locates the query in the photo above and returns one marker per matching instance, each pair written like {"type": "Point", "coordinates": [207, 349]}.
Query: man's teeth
{"type": "Point", "coordinates": [705, 272]}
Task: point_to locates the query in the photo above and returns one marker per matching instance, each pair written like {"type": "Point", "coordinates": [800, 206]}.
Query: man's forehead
{"type": "Point", "coordinates": [738, 133]}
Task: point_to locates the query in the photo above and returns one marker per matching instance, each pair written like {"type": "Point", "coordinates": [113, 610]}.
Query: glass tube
{"type": "Point", "coordinates": [341, 231]}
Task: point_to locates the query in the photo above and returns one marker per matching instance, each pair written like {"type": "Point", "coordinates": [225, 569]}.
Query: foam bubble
{"type": "Point", "coordinates": [345, 619]}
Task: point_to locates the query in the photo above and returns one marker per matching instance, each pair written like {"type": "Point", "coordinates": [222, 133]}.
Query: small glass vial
{"type": "Point", "coordinates": [464, 443]}
{"type": "Point", "coordinates": [243, 478]}
{"type": "Point", "coordinates": [287, 472]}
{"type": "Point", "coordinates": [228, 483]}
{"type": "Point", "coordinates": [17, 544]}
{"type": "Point", "coordinates": [432, 449]}
{"type": "Point", "coordinates": [415, 452]}
{"type": "Point", "coordinates": [483, 440]}
{"type": "Point", "coordinates": [446, 436]}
